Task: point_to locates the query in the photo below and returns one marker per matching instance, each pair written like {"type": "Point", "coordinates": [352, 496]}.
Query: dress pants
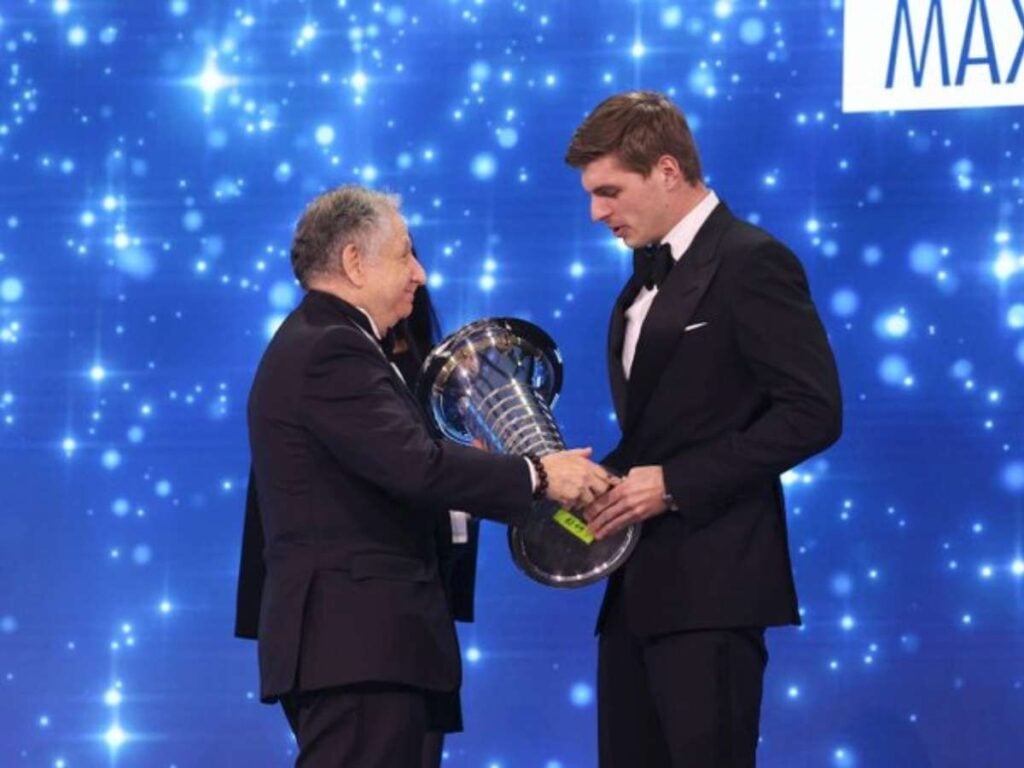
{"type": "Point", "coordinates": [433, 749]}
{"type": "Point", "coordinates": [682, 700]}
{"type": "Point", "coordinates": [370, 725]}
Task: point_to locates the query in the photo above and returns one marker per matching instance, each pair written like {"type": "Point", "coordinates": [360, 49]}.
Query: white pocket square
{"type": "Point", "coordinates": [694, 327]}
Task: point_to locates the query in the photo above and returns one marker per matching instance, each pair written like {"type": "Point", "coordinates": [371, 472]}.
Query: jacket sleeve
{"type": "Point", "coordinates": [352, 403]}
{"type": "Point", "coordinates": [783, 343]}
{"type": "Point", "coordinates": [251, 570]}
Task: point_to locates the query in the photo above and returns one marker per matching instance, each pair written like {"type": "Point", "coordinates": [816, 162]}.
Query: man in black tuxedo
{"type": "Point", "coordinates": [355, 635]}
{"type": "Point", "coordinates": [722, 379]}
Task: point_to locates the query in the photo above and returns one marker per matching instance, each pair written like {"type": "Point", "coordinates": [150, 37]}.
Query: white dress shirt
{"type": "Point", "coordinates": [679, 238]}
{"type": "Point", "coordinates": [377, 334]}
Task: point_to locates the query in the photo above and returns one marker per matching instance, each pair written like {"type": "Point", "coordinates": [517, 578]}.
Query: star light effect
{"type": "Point", "coordinates": [145, 263]}
{"type": "Point", "coordinates": [115, 737]}
{"type": "Point", "coordinates": [211, 81]}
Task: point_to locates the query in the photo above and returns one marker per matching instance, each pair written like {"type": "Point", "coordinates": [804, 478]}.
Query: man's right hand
{"type": "Point", "coordinates": [573, 479]}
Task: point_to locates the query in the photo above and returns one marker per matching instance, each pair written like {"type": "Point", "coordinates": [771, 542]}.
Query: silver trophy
{"type": "Point", "coordinates": [496, 381]}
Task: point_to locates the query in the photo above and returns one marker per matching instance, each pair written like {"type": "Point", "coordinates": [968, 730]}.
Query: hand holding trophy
{"type": "Point", "coordinates": [494, 382]}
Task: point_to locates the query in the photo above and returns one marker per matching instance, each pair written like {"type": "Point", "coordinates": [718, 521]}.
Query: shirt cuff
{"type": "Point", "coordinates": [533, 476]}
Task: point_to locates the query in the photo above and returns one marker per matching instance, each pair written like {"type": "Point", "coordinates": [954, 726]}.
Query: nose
{"type": "Point", "coordinates": [419, 275]}
{"type": "Point", "coordinates": [598, 208]}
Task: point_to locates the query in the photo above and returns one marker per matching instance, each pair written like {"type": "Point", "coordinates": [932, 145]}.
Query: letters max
{"type": "Point", "coordinates": [973, 44]}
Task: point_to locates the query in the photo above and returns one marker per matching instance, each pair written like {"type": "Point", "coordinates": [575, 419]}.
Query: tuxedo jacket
{"type": "Point", "coordinates": [733, 383]}
{"type": "Point", "coordinates": [457, 561]}
{"type": "Point", "coordinates": [350, 488]}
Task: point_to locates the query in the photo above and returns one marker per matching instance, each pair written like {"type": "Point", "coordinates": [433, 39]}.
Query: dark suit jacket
{"type": "Point", "coordinates": [457, 562]}
{"type": "Point", "coordinates": [733, 383]}
{"type": "Point", "coordinates": [351, 488]}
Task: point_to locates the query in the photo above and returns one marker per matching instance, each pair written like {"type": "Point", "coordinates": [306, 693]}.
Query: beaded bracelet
{"type": "Point", "coordinates": [542, 476]}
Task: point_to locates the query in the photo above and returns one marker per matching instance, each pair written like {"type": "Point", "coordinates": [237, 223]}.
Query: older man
{"type": "Point", "coordinates": [355, 637]}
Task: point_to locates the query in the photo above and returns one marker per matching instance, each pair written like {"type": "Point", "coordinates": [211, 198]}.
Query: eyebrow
{"type": "Point", "coordinates": [605, 189]}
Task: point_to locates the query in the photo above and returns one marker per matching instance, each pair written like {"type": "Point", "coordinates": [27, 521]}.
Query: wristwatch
{"type": "Point", "coordinates": [669, 502]}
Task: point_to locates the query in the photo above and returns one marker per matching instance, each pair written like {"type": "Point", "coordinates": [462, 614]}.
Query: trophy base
{"type": "Point", "coordinates": [554, 547]}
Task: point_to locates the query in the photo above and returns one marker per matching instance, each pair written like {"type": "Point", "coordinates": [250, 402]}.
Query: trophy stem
{"type": "Point", "coordinates": [513, 419]}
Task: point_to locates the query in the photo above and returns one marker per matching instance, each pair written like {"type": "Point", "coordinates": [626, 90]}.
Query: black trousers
{"type": "Point", "coordinates": [682, 700]}
{"type": "Point", "coordinates": [371, 725]}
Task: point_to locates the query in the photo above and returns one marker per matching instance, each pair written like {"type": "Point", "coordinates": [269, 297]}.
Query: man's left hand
{"type": "Point", "coordinates": [639, 495]}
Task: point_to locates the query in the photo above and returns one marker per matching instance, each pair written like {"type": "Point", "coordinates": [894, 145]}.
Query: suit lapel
{"type": "Point", "coordinates": [616, 334]}
{"type": "Point", "coordinates": [329, 309]}
{"type": "Point", "coordinates": [405, 388]}
{"type": "Point", "coordinates": [673, 309]}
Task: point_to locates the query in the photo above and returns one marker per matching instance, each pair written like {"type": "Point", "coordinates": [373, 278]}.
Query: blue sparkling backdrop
{"type": "Point", "coordinates": [153, 159]}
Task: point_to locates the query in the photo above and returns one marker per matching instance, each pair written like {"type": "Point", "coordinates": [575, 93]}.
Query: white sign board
{"type": "Point", "coordinates": [932, 54]}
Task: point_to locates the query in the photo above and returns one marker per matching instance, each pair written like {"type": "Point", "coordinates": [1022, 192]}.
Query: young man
{"type": "Point", "coordinates": [722, 379]}
{"type": "Point", "coordinates": [348, 488]}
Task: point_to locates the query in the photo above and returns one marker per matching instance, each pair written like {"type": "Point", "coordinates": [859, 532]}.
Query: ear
{"type": "Point", "coordinates": [667, 167]}
{"type": "Point", "coordinates": [352, 265]}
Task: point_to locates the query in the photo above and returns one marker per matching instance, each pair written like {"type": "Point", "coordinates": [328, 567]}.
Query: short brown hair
{"type": "Point", "coordinates": [348, 214]}
{"type": "Point", "coordinates": [638, 127]}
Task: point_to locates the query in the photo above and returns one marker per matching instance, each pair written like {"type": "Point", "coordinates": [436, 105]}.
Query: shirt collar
{"type": "Point", "coordinates": [682, 234]}
{"type": "Point", "coordinates": [373, 326]}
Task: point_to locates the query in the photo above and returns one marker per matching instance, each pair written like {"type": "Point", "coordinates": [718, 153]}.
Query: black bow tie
{"type": "Point", "coordinates": [652, 264]}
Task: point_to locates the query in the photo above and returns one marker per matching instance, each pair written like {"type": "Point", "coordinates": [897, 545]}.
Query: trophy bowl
{"type": "Point", "coordinates": [495, 381]}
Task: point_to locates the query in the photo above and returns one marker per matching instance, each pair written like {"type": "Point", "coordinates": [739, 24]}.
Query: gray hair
{"type": "Point", "coordinates": [345, 215]}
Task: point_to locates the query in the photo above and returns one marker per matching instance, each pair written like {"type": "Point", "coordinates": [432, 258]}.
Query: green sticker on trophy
{"type": "Point", "coordinates": [574, 525]}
